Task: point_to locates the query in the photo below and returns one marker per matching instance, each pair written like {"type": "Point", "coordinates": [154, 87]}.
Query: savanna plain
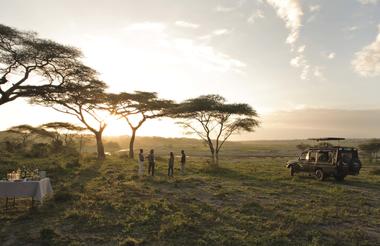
{"type": "Point", "coordinates": [250, 199]}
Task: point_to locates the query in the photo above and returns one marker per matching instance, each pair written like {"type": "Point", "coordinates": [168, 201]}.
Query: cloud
{"type": "Point", "coordinates": [369, 1]}
{"type": "Point", "coordinates": [291, 13]}
{"type": "Point", "coordinates": [314, 8]}
{"type": "Point", "coordinates": [147, 26]}
{"type": "Point", "coordinates": [222, 8]}
{"type": "Point", "coordinates": [219, 32]}
{"type": "Point", "coordinates": [301, 49]}
{"type": "Point", "coordinates": [186, 24]}
{"type": "Point", "coordinates": [258, 14]}
{"type": "Point", "coordinates": [352, 28]}
{"type": "Point", "coordinates": [318, 73]}
{"type": "Point", "coordinates": [300, 62]}
{"type": "Point", "coordinates": [215, 33]}
{"type": "Point", "coordinates": [155, 44]}
{"type": "Point", "coordinates": [309, 122]}
{"type": "Point", "coordinates": [331, 55]}
{"type": "Point", "coordinates": [307, 71]}
{"type": "Point", "coordinates": [206, 56]}
{"type": "Point", "coordinates": [367, 61]}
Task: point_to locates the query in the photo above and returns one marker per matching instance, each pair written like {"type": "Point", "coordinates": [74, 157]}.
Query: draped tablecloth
{"type": "Point", "coordinates": [36, 189]}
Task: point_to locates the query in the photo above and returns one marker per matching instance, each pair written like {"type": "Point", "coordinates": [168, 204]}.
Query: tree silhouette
{"type": "Point", "coordinates": [64, 129]}
{"type": "Point", "coordinates": [136, 108]}
{"type": "Point", "coordinates": [82, 99]}
{"type": "Point", "coordinates": [303, 146]}
{"type": "Point", "coordinates": [30, 65]}
{"type": "Point", "coordinates": [26, 131]}
{"type": "Point", "coordinates": [371, 148]}
{"type": "Point", "coordinates": [214, 121]}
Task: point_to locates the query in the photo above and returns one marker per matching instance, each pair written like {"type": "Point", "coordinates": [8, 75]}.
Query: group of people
{"type": "Point", "coordinates": [152, 163]}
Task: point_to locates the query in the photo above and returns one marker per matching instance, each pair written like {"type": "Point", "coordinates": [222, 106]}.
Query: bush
{"type": "Point", "coordinates": [375, 171]}
{"type": "Point", "coordinates": [56, 146]}
{"type": "Point", "coordinates": [47, 236]}
{"type": "Point", "coordinates": [13, 147]}
{"type": "Point", "coordinates": [71, 151]}
{"type": "Point", "coordinates": [39, 150]}
{"type": "Point", "coordinates": [73, 163]}
{"type": "Point", "coordinates": [63, 196]}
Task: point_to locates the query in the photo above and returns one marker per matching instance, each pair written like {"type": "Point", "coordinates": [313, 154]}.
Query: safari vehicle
{"type": "Point", "coordinates": [325, 161]}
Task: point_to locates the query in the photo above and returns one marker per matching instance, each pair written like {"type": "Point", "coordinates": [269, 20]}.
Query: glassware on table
{"type": "Point", "coordinates": [42, 174]}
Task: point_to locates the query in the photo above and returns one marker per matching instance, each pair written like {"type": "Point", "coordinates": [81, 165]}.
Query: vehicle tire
{"type": "Point", "coordinates": [292, 170]}
{"type": "Point", "coordinates": [319, 174]}
{"type": "Point", "coordinates": [339, 177]}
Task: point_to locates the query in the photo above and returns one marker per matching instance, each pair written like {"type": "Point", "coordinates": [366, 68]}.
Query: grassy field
{"type": "Point", "coordinates": [247, 201]}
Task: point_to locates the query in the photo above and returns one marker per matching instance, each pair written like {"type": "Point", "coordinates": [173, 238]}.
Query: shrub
{"type": "Point", "coordinates": [47, 235]}
{"type": "Point", "coordinates": [375, 171]}
{"type": "Point", "coordinates": [63, 196]}
{"type": "Point", "coordinates": [56, 146]}
{"type": "Point", "coordinates": [39, 150]}
{"type": "Point", "coordinates": [13, 147]}
{"type": "Point", "coordinates": [73, 163]}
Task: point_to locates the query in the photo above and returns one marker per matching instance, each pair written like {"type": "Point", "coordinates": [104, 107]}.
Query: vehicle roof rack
{"type": "Point", "coordinates": [327, 139]}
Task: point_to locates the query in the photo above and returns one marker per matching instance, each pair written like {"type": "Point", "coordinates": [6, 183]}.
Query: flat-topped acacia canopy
{"type": "Point", "coordinates": [327, 139]}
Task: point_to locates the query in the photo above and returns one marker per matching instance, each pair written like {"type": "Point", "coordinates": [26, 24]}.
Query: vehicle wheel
{"type": "Point", "coordinates": [339, 177]}
{"type": "Point", "coordinates": [319, 174]}
{"type": "Point", "coordinates": [292, 171]}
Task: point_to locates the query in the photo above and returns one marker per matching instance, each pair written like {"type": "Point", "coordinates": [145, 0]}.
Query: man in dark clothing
{"type": "Point", "coordinates": [152, 162]}
{"type": "Point", "coordinates": [183, 161]}
{"type": "Point", "coordinates": [171, 165]}
{"type": "Point", "coordinates": [141, 163]}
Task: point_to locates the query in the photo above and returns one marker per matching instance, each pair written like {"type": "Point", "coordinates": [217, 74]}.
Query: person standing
{"type": "Point", "coordinates": [183, 161]}
{"type": "Point", "coordinates": [171, 164]}
{"type": "Point", "coordinates": [141, 162]}
{"type": "Point", "coordinates": [152, 162]}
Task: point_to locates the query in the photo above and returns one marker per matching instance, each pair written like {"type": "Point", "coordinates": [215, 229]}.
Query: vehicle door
{"type": "Point", "coordinates": [311, 160]}
{"type": "Point", "coordinates": [303, 159]}
{"type": "Point", "coordinates": [325, 161]}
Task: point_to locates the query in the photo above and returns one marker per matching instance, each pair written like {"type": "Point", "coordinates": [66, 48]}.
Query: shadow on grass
{"type": "Point", "coordinates": [359, 184]}
{"type": "Point", "coordinates": [221, 172]}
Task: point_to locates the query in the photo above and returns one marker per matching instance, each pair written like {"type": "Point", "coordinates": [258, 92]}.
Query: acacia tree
{"type": "Point", "coordinates": [64, 129]}
{"type": "Point", "coordinates": [136, 108]}
{"type": "Point", "coordinates": [82, 99]}
{"type": "Point", "coordinates": [371, 148]}
{"type": "Point", "coordinates": [26, 131]}
{"type": "Point", "coordinates": [29, 65]}
{"type": "Point", "coordinates": [303, 146]}
{"type": "Point", "coordinates": [214, 120]}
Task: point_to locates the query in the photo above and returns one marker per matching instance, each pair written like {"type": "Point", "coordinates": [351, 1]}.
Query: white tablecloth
{"type": "Point", "coordinates": [36, 189]}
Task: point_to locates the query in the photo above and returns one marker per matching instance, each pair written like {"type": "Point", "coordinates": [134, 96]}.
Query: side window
{"type": "Point", "coordinates": [323, 156]}
{"type": "Point", "coordinates": [332, 156]}
{"type": "Point", "coordinates": [303, 156]}
{"type": "Point", "coordinates": [312, 156]}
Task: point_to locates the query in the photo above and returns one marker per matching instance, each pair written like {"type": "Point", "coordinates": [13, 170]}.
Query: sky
{"type": "Point", "coordinates": [309, 68]}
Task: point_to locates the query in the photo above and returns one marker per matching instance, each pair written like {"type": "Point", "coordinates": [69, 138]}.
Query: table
{"type": "Point", "coordinates": [37, 190]}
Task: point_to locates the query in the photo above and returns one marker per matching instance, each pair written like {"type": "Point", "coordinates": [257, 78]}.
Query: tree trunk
{"type": "Point", "coordinates": [131, 143]}
{"type": "Point", "coordinates": [213, 156]}
{"type": "Point", "coordinates": [100, 146]}
{"type": "Point", "coordinates": [217, 158]}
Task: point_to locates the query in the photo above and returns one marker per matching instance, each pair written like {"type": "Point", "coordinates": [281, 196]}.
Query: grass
{"type": "Point", "coordinates": [247, 201]}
